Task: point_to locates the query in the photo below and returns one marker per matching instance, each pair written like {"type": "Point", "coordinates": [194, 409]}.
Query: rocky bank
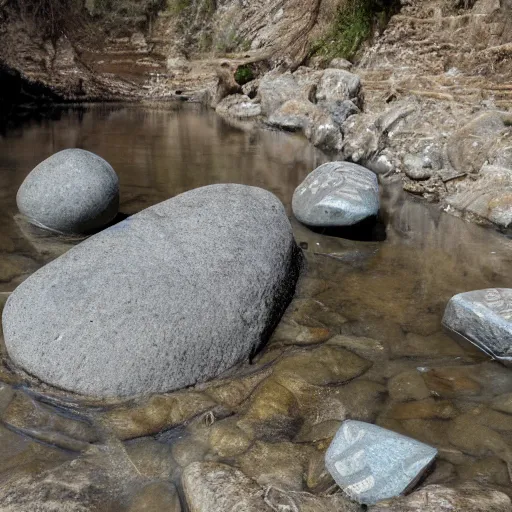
{"type": "Point", "coordinates": [425, 78]}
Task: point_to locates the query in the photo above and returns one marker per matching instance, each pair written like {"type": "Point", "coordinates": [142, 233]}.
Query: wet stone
{"type": "Point", "coordinates": [48, 424]}
{"type": "Point", "coordinates": [6, 395]}
{"type": "Point", "coordinates": [489, 470]}
{"type": "Point", "coordinates": [189, 449]}
{"type": "Point", "coordinates": [336, 194]}
{"type": "Point", "coordinates": [503, 403]}
{"type": "Point", "coordinates": [156, 414]}
{"type": "Point", "coordinates": [215, 487]}
{"type": "Point", "coordinates": [433, 346]}
{"type": "Point", "coordinates": [359, 400]}
{"type": "Point", "coordinates": [151, 458]}
{"type": "Point", "coordinates": [156, 497]}
{"type": "Point", "coordinates": [312, 312]}
{"type": "Point", "coordinates": [232, 392]}
{"type": "Point", "coordinates": [407, 386]}
{"type": "Point", "coordinates": [479, 440]}
{"type": "Point", "coordinates": [442, 472]}
{"type": "Point", "coordinates": [367, 348]}
{"type": "Point", "coordinates": [271, 400]}
{"type": "Point", "coordinates": [468, 497]}
{"type": "Point", "coordinates": [318, 432]}
{"type": "Point", "coordinates": [290, 334]}
{"type": "Point", "coordinates": [321, 366]}
{"type": "Point", "coordinates": [227, 439]}
{"type": "Point", "coordinates": [278, 464]}
{"type": "Point", "coordinates": [451, 382]}
{"type": "Point", "coordinates": [21, 456]}
{"type": "Point", "coordinates": [484, 317]}
{"type": "Point", "coordinates": [422, 409]}
{"type": "Point", "coordinates": [430, 431]}
{"type": "Point", "coordinates": [279, 499]}
{"type": "Point", "coordinates": [370, 463]}
{"type": "Point", "coordinates": [318, 479]}
{"type": "Point", "coordinates": [74, 486]}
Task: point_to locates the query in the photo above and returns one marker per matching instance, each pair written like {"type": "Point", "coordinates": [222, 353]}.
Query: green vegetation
{"type": "Point", "coordinates": [244, 74]}
{"type": "Point", "coordinates": [352, 25]}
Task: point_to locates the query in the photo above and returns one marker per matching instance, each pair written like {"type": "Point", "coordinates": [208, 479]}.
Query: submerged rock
{"type": "Point", "coordinates": [484, 317]}
{"type": "Point", "coordinates": [172, 296]}
{"type": "Point", "coordinates": [371, 463]}
{"type": "Point", "coordinates": [213, 487]}
{"type": "Point", "coordinates": [336, 194]}
{"type": "Point", "coordinates": [73, 191]}
{"type": "Point", "coordinates": [156, 497]}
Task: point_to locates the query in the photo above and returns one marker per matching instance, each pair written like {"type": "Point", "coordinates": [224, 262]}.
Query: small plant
{"type": "Point", "coordinates": [243, 74]}
{"type": "Point", "coordinates": [352, 25]}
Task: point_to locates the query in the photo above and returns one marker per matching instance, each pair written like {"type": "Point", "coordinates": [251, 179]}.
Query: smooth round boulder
{"type": "Point", "coordinates": [170, 297]}
{"type": "Point", "coordinates": [73, 192]}
{"type": "Point", "coordinates": [336, 194]}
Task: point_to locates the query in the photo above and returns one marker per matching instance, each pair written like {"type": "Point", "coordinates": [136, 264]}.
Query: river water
{"type": "Point", "coordinates": [380, 300]}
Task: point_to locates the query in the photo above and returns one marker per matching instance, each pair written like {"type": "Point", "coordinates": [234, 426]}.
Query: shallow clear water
{"type": "Point", "coordinates": [381, 300]}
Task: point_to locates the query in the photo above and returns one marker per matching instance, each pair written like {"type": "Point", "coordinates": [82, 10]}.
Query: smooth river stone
{"type": "Point", "coordinates": [170, 297]}
{"type": "Point", "coordinates": [336, 194]}
{"type": "Point", "coordinates": [72, 191]}
{"type": "Point", "coordinates": [483, 317]}
{"type": "Point", "coordinates": [371, 463]}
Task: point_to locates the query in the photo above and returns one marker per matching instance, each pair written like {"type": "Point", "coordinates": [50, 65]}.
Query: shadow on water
{"type": "Point", "coordinates": [372, 229]}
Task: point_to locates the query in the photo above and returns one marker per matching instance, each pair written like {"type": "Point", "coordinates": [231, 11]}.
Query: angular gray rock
{"type": "Point", "coordinates": [336, 194]}
{"type": "Point", "coordinates": [371, 463]}
{"type": "Point", "coordinates": [73, 191]}
{"type": "Point", "coordinates": [341, 110]}
{"type": "Point", "coordinates": [469, 146]}
{"type": "Point", "coordinates": [274, 90]}
{"type": "Point", "coordinates": [338, 84]}
{"type": "Point", "coordinates": [484, 317]}
{"type": "Point", "coordinates": [173, 295]}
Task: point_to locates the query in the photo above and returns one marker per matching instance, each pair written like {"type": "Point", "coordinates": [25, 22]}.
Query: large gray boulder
{"type": "Point", "coordinates": [484, 317]}
{"type": "Point", "coordinates": [336, 194]}
{"type": "Point", "coordinates": [371, 463]}
{"type": "Point", "coordinates": [172, 296]}
{"type": "Point", "coordinates": [73, 191]}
